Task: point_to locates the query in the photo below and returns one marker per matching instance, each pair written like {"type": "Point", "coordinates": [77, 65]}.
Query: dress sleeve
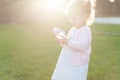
{"type": "Point", "coordinates": [84, 41]}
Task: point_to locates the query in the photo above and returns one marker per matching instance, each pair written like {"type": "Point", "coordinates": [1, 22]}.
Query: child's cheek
{"type": "Point", "coordinates": [77, 22]}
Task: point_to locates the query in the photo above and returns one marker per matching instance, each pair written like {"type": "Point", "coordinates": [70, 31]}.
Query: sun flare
{"type": "Point", "coordinates": [52, 5]}
{"type": "Point", "coordinates": [112, 0]}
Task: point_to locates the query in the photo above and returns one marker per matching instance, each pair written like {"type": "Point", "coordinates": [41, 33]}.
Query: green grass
{"type": "Point", "coordinates": [29, 52]}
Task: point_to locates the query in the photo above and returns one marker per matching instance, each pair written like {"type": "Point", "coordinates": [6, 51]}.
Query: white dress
{"type": "Point", "coordinates": [74, 58]}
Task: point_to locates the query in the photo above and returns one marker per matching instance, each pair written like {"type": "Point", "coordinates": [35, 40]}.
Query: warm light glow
{"type": "Point", "coordinates": [40, 10]}
{"type": "Point", "coordinates": [112, 0]}
{"type": "Point", "coordinates": [35, 5]}
{"type": "Point", "coordinates": [52, 5]}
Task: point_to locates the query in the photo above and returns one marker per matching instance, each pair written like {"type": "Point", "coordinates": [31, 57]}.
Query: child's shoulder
{"type": "Point", "coordinates": [81, 28]}
{"type": "Point", "coordinates": [85, 28]}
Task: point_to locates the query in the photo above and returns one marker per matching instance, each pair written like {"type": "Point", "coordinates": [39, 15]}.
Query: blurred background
{"type": "Point", "coordinates": [42, 11]}
{"type": "Point", "coordinates": [28, 50]}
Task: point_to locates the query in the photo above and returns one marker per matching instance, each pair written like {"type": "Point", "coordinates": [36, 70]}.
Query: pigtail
{"type": "Point", "coordinates": [91, 16]}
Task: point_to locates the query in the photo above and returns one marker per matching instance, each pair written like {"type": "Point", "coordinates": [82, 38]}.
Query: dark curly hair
{"type": "Point", "coordinates": [78, 7]}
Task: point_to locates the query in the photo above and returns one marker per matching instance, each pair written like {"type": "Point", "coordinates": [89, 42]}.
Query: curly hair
{"type": "Point", "coordinates": [86, 7]}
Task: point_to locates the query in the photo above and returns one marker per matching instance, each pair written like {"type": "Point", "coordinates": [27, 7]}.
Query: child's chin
{"type": "Point", "coordinates": [75, 25]}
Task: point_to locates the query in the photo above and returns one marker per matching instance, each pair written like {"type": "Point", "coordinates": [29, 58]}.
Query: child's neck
{"type": "Point", "coordinates": [80, 26]}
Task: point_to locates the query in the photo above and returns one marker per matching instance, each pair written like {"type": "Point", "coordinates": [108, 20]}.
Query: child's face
{"type": "Point", "coordinates": [78, 21]}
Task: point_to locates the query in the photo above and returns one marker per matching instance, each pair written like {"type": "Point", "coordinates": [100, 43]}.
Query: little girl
{"type": "Point", "coordinates": [75, 54]}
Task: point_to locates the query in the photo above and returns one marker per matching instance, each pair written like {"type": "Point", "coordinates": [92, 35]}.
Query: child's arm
{"type": "Point", "coordinates": [79, 45]}
{"type": "Point", "coordinates": [83, 43]}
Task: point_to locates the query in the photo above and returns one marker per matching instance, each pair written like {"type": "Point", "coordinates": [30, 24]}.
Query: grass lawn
{"type": "Point", "coordinates": [29, 52]}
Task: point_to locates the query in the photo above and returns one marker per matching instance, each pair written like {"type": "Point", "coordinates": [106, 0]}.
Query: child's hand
{"type": "Point", "coordinates": [62, 41]}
